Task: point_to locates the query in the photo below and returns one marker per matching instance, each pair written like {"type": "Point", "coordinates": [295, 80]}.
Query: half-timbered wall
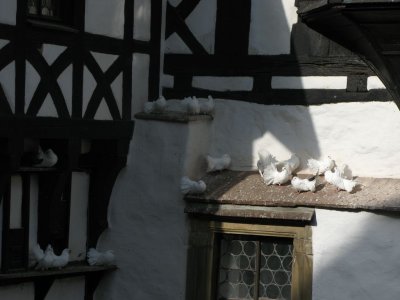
{"type": "Point", "coordinates": [212, 45]}
{"type": "Point", "coordinates": [63, 79]}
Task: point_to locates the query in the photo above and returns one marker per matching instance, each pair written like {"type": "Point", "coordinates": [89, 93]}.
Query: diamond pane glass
{"type": "Point", "coordinates": [236, 269]}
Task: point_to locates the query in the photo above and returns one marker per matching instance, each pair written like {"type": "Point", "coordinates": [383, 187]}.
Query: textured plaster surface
{"type": "Point", "coordinates": [362, 135]}
{"type": "Point", "coordinates": [8, 12]}
{"type": "Point", "coordinates": [148, 226]}
{"type": "Point", "coordinates": [309, 82]}
{"type": "Point", "coordinates": [355, 256]}
{"type": "Point", "coordinates": [111, 14]}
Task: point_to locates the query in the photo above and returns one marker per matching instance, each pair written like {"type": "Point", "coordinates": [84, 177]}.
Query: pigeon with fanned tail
{"type": "Point", "coordinates": [62, 260]}
{"type": "Point", "coordinates": [338, 179]}
{"type": "Point", "coordinates": [189, 186]}
{"type": "Point", "coordinates": [207, 107]}
{"type": "Point", "coordinates": [265, 159]}
{"type": "Point", "coordinates": [46, 260]}
{"type": "Point", "coordinates": [218, 163]}
{"type": "Point", "coordinates": [47, 158]}
{"type": "Point", "coordinates": [319, 167]}
{"type": "Point", "coordinates": [157, 106]}
{"type": "Point", "coordinates": [304, 185]}
{"type": "Point", "coordinates": [191, 105]}
{"type": "Point", "coordinates": [291, 164]}
{"type": "Point", "coordinates": [98, 258]}
{"type": "Point", "coordinates": [271, 175]}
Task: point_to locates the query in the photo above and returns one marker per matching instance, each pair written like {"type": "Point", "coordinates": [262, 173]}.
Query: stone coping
{"type": "Point", "coordinates": [248, 189]}
{"type": "Point", "coordinates": [172, 116]}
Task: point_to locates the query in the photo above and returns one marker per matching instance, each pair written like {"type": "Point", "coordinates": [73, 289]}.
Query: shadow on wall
{"type": "Point", "coordinates": [355, 256]}
{"type": "Point", "coordinates": [242, 129]}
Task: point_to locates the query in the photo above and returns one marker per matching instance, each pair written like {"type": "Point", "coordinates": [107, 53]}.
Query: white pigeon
{"type": "Point", "coordinates": [218, 163]}
{"type": "Point", "coordinates": [192, 187]}
{"type": "Point", "coordinates": [61, 260]}
{"type": "Point", "coordinates": [47, 260]}
{"type": "Point", "coordinates": [291, 164]}
{"type": "Point", "coordinates": [319, 167]}
{"type": "Point", "coordinates": [337, 179]}
{"type": "Point", "coordinates": [37, 255]}
{"type": "Point", "coordinates": [304, 185]}
{"type": "Point", "coordinates": [271, 175]}
{"type": "Point", "coordinates": [191, 105]}
{"type": "Point", "coordinates": [48, 158]}
{"type": "Point", "coordinates": [97, 258]}
{"type": "Point", "coordinates": [345, 172]}
{"type": "Point", "coordinates": [264, 160]}
{"type": "Point", "coordinates": [207, 107]}
{"type": "Point", "coordinates": [157, 106]}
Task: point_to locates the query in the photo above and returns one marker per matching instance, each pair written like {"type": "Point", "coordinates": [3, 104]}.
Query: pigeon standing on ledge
{"type": "Point", "coordinates": [192, 187]}
{"type": "Point", "coordinates": [48, 158]}
{"type": "Point", "coordinates": [218, 163]}
{"type": "Point", "coordinates": [271, 175]}
{"type": "Point", "coordinates": [320, 166]}
{"type": "Point", "coordinates": [264, 160]}
{"type": "Point", "coordinates": [291, 164]}
{"type": "Point", "coordinates": [304, 185]}
{"type": "Point", "coordinates": [157, 106]}
{"type": "Point", "coordinates": [61, 260]}
{"type": "Point", "coordinates": [97, 258]}
{"type": "Point", "coordinates": [207, 107]}
{"type": "Point", "coordinates": [337, 179]}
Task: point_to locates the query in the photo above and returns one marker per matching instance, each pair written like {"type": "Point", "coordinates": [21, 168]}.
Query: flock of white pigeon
{"type": "Point", "coordinates": [189, 105]}
{"type": "Point", "coordinates": [47, 259]}
{"type": "Point", "coordinates": [274, 172]}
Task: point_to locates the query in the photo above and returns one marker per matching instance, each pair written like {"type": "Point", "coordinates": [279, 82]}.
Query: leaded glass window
{"type": "Point", "coordinates": [254, 267]}
{"type": "Point", "coordinates": [51, 11]}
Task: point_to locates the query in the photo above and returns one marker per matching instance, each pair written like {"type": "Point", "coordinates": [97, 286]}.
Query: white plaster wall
{"type": "Point", "coordinates": [7, 80]}
{"type": "Point", "coordinates": [8, 12]}
{"type": "Point", "coordinates": [356, 256]}
{"type": "Point", "coordinates": [25, 291]}
{"type": "Point", "coordinates": [67, 289]}
{"type": "Point", "coordinates": [366, 136]}
{"type": "Point", "coordinates": [201, 22]}
{"type": "Point", "coordinates": [147, 223]}
{"type": "Point", "coordinates": [142, 20]}
{"type": "Point", "coordinates": [140, 79]}
{"type": "Point", "coordinates": [270, 26]}
{"type": "Point", "coordinates": [105, 17]}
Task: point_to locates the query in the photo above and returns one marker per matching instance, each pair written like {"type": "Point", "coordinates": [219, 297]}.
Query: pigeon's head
{"type": "Point", "coordinates": [295, 179]}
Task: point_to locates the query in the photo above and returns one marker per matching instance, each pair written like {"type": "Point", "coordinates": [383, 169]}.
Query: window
{"type": "Point", "coordinates": [236, 261]}
{"type": "Point", "coordinates": [50, 11]}
{"type": "Point", "coordinates": [252, 267]}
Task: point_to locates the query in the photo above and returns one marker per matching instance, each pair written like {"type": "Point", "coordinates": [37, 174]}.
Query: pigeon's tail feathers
{"type": "Point", "coordinates": [314, 165]}
{"type": "Point", "coordinates": [345, 172]}
{"type": "Point", "coordinates": [160, 104]}
{"type": "Point", "coordinates": [92, 256]}
{"type": "Point", "coordinates": [349, 185]}
{"type": "Point", "coordinates": [269, 174]}
{"type": "Point", "coordinates": [148, 107]}
{"type": "Point", "coordinates": [291, 164]}
{"type": "Point", "coordinates": [38, 252]}
{"type": "Point", "coordinates": [189, 186]}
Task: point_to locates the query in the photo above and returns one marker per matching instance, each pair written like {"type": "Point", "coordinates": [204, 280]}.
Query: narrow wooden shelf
{"type": "Point", "coordinates": [74, 269]}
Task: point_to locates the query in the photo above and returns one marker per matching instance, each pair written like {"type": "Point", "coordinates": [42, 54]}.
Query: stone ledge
{"type": "Point", "coordinates": [177, 117]}
{"type": "Point", "coordinates": [248, 188]}
{"type": "Point", "coordinates": [303, 214]}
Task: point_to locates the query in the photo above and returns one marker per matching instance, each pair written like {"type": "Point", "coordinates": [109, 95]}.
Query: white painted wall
{"type": "Point", "coordinates": [148, 228]}
{"type": "Point", "coordinates": [105, 17]}
{"type": "Point", "coordinates": [356, 256]}
{"type": "Point", "coordinates": [8, 12]}
{"type": "Point", "coordinates": [363, 135]}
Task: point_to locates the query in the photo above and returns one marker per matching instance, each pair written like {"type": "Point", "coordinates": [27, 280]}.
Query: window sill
{"type": "Point", "coordinates": [74, 269]}
{"type": "Point", "coordinates": [51, 26]}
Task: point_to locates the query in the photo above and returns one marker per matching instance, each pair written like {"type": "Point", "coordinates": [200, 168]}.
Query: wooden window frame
{"type": "Point", "coordinates": [202, 264]}
{"type": "Point", "coordinates": [66, 21]}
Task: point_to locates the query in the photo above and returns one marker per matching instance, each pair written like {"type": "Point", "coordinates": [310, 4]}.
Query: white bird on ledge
{"type": "Point", "coordinates": [189, 186]}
